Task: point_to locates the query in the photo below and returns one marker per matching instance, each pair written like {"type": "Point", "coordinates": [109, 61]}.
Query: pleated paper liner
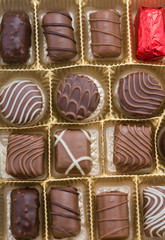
{"type": "Point", "coordinates": [27, 7]}
{"type": "Point", "coordinates": [109, 128]}
{"type": "Point", "coordinates": [89, 6]}
{"type": "Point", "coordinates": [143, 182]}
{"type": "Point", "coordinates": [72, 7]}
{"type": "Point", "coordinates": [95, 131]}
{"type": "Point", "coordinates": [124, 184]}
{"type": "Point", "coordinates": [4, 136]}
{"type": "Point", "coordinates": [83, 189]}
{"type": "Point", "coordinates": [121, 71]}
{"type": "Point", "coordinates": [99, 75]}
{"type": "Point", "coordinates": [41, 78]}
{"type": "Point", "coordinates": [5, 203]}
{"type": "Point", "coordinates": [133, 9]}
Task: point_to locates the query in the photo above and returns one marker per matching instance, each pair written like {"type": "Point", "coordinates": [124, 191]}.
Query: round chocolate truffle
{"type": "Point", "coordinates": [161, 143]}
{"type": "Point", "coordinates": [139, 94]}
{"type": "Point", "coordinates": [77, 97]}
{"type": "Point", "coordinates": [21, 102]}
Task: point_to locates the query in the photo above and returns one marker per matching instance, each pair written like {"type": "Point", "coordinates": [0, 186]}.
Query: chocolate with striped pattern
{"type": "Point", "coordinates": [133, 148]}
{"type": "Point", "coordinates": [64, 210]}
{"type": "Point", "coordinates": [25, 156]}
{"type": "Point", "coordinates": [140, 94]}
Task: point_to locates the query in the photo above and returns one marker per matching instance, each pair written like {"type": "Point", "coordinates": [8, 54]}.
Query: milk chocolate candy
{"type": "Point", "coordinates": [64, 210]}
{"type": "Point", "coordinates": [133, 148]}
{"type": "Point", "coordinates": [25, 156]}
{"type": "Point", "coordinates": [112, 215]}
{"type": "Point", "coordinates": [59, 33]}
{"type": "Point", "coordinates": [15, 37]}
{"type": "Point", "coordinates": [72, 152]}
{"type": "Point", "coordinates": [24, 213]}
{"type": "Point", "coordinates": [105, 32]}
{"type": "Point", "coordinates": [153, 211]}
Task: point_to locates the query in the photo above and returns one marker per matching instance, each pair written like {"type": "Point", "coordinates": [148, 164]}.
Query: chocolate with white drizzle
{"type": "Point", "coordinates": [154, 211]}
{"type": "Point", "coordinates": [112, 215]}
{"type": "Point", "coordinates": [59, 33]}
{"type": "Point", "coordinates": [64, 210]}
{"type": "Point", "coordinates": [105, 32]}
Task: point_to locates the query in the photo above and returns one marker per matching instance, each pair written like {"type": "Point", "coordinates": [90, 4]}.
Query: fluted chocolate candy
{"type": "Point", "coordinates": [72, 152]}
{"type": "Point", "coordinates": [15, 37]}
{"type": "Point", "coordinates": [153, 211]}
{"type": "Point", "coordinates": [21, 102]}
{"type": "Point", "coordinates": [112, 215]}
{"type": "Point", "coordinates": [139, 94]}
{"type": "Point", "coordinates": [161, 144]}
{"type": "Point", "coordinates": [77, 97]}
{"type": "Point", "coordinates": [24, 213]}
{"type": "Point", "coordinates": [64, 210]}
{"type": "Point", "coordinates": [133, 148]}
{"type": "Point", "coordinates": [59, 34]}
{"type": "Point", "coordinates": [105, 32]}
{"type": "Point", "coordinates": [25, 156]}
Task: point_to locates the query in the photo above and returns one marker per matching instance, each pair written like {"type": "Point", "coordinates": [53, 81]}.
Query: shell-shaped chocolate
{"type": "Point", "coordinates": [77, 97]}
{"type": "Point", "coordinates": [140, 94]}
{"type": "Point", "coordinates": [21, 102]}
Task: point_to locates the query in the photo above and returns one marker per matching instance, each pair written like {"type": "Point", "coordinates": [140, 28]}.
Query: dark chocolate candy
{"type": "Point", "coordinates": [161, 144]}
{"type": "Point", "coordinates": [140, 94]}
{"type": "Point", "coordinates": [154, 210]}
{"type": "Point", "coordinates": [64, 210]}
{"type": "Point", "coordinates": [24, 213]}
{"type": "Point", "coordinates": [21, 102]}
{"type": "Point", "coordinates": [59, 35]}
{"type": "Point", "coordinates": [77, 97]}
{"type": "Point", "coordinates": [25, 156]}
{"type": "Point", "coordinates": [133, 148]}
{"type": "Point", "coordinates": [72, 152]}
{"type": "Point", "coordinates": [112, 215]}
{"type": "Point", "coordinates": [105, 31]}
{"type": "Point", "coordinates": [15, 37]}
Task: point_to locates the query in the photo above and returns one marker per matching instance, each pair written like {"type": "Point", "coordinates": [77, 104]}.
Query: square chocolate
{"type": "Point", "coordinates": [25, 156]}
{"type": "Point", "coordinates": [133, 148]}
{"type": "Point", "coordinates": [72, 152]}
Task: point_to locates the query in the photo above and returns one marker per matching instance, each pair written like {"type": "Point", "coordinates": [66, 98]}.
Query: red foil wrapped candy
{"type": "Point", "coordinates": [149, 26]}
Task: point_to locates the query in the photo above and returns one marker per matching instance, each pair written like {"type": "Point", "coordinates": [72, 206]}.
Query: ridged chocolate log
{"type": "Point", "coordinates": [59, 33]}
{"type": "Point", "coordinates": [105, 32]}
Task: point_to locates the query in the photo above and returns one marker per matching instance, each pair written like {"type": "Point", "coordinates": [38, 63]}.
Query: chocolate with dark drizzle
{"type": "Point", "coordinates": [59, 33]}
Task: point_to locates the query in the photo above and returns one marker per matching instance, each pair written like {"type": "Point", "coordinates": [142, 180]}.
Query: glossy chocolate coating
{"type": "Point", "coordinates": [24, 213]}
{"type": "Point", "coordinates": [105, 32]}
{"type": "Point", "coordinates": [15, 37]}
{"type": "Point", "coordinates": [64, 210]}
{"type": "Point", "coordinates": [59, 34]}
{"type": "Point", "coordinates": [153, 212]}
{"type": "Point", "coordinates": [161, 144]}
{"type": "Point", "coordinates": [133, 148]}
{"type": "Point", "coordinates": [112, 215]}
{"type": "Point", "coordinates": [77, 97]}
{"type": "Point", "coordinates": [140, 94]}
{"type": "Point", "coordinates": [75, 145]}
{"type": "Point", "coordinates": [25, 156]}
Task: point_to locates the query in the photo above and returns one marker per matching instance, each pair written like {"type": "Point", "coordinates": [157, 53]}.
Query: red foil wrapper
{"type": "Point", "coordinates": [149, 27]}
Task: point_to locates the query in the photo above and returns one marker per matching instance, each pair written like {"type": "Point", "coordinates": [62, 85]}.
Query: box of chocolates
{"type": "Point", "coordinates": [82, 119]}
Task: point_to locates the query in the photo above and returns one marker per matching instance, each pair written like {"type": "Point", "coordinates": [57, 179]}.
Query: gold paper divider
{"type": "Point", "coordinates": [99, 75]}
{"type": "Point", "coordinates": [4, 135]}
{"type": "Point", "coordinates": [121, 71]}
{"type": "Point", "coordinates": [126, 184]}
{"type": "Point", "coordinates": [95, 130]}
{"type": "Point", "coordinates": [72, 7]}
{"type": "Point", "coordinates": [5, 190]}
{"type": "Point", "coordinates": [82, 184]}
{"type": "Point", "coordinates": [108, 134]}
{"type": "Point", "coordinates": [41, 78]}
{"type": "Point", "coordinates": [89, 6]}
{"type": "Point", "coordinates": [133, 9]}
{"type": "Point", "coordinates": [15, 6]}
{"type": "Point", "coordinates": [143, 182]}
